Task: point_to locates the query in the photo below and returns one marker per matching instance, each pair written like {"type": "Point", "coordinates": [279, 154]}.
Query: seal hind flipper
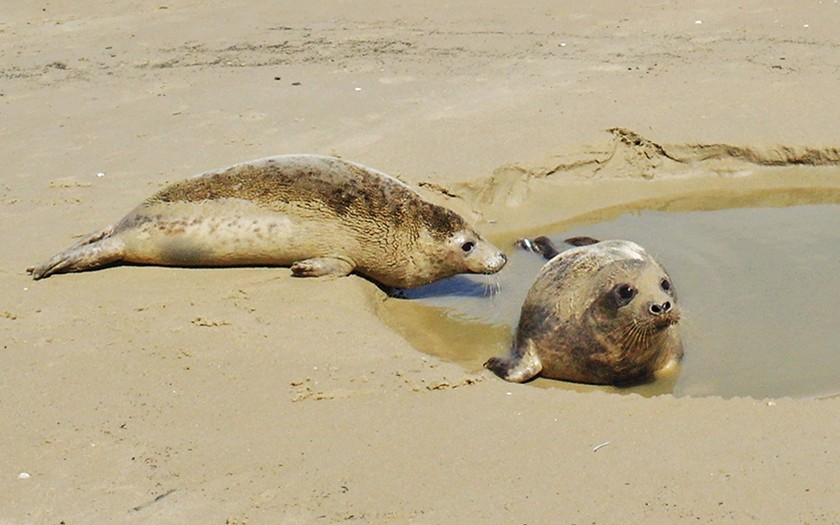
{"type": "Point", "coordinates": [516, 367]}
{"type": "Point", "coordinates": [322, 267]}
{"type": "Point", "coordinates": [581, 241]}
{"type": "Point", "coordinates": [94, 251]}
{"type": "Point", "coordinates": [541, 245]}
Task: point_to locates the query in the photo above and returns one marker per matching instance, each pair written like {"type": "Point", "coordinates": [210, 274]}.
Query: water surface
{"type": "Point", "coordinates": [758, 289]}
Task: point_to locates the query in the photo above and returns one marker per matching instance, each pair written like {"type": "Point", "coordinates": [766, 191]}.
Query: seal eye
{"type": "Point", "coordinates": [665, 284]}
{"type": "Point", "coordinates": [467, 247]}
{"type": "Point", "coordinates": [625, 293]}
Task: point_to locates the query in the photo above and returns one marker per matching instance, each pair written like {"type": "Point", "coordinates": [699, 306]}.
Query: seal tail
{"type": "Point", "coordinates": [94, 251]}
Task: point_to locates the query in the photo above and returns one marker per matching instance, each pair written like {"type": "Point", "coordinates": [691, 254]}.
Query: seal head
{"type": "Point", "coordinates": [602, 313]}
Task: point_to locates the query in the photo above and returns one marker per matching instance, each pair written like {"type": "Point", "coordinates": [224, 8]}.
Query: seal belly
{"type": "Point", "coordinates": [213, 234]}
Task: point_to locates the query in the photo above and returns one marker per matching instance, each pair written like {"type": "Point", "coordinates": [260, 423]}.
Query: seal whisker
{"type": "Point", "coordinates": [492, 286]}
{"type": "Point", "coordinates": [632, 337]}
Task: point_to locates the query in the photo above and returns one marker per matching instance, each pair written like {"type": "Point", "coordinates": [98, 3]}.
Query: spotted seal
{"type": "Point", "coordinates": [600, 313]}
{"type": "Point", "coordinates": [322, 216]}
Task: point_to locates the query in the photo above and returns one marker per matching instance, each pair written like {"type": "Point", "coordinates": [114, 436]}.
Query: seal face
{"type": "Point", "coordinates": [322, 216]}
{"type": "Point", "coordinates": [600, 313]}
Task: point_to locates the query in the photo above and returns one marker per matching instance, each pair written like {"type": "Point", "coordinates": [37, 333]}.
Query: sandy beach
{"type": "Point", "coordinates": [246, 396]}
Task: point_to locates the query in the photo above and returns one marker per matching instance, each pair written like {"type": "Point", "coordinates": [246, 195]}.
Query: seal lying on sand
{"type": "Point", "coordinates": [319, 215]}
{"type": "Point", "coordinates": [601, 313]}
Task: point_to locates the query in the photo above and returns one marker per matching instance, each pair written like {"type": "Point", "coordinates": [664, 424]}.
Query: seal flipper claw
{"type": "Point", "coordinates": [322, 267]}
{"type": "Point", "coordinates": [94, 251]}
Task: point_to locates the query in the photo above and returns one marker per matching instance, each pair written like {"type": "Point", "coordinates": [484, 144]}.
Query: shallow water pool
{"type": "Point", "coordinates": [758, 289]}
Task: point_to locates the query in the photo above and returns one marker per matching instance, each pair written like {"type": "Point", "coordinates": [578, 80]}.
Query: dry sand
{"type": "Point", "coordinates": [153, 395]}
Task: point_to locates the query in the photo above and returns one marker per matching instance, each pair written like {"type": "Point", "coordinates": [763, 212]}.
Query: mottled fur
{"type": "Point", "coordinates": [577, 325]}
{"type": "Point", "coordinates": [281, 183]}
{"type": "Point", "coordinates": [319, 215]}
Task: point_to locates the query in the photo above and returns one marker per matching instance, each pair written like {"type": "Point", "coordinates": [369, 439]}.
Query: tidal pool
{"type": "Point", "coordinates": [758, 287]}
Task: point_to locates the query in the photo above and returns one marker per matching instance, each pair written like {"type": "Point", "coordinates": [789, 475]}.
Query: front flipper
{"type": "Point", "coordinates": [322, 267]}
{"type": "Point", "coordinates": [516, 367]}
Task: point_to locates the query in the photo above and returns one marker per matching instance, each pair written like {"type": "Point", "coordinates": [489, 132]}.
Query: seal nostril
{"type": "Point", "coordinates": [659, 309]}
{"type": "Point", "coordinates": [655, 309]}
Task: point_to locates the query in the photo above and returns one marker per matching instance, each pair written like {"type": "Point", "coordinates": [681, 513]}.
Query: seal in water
{"type": "Point", "coordinates": [323, 216]}
{"type": "Point", "coordinates": [601, 313]}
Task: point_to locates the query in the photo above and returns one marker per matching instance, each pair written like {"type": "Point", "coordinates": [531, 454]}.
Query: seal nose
{"type": "Point", "coordinates": [497, 262]}
{"type": "Point", "coordinates": [659, 309]}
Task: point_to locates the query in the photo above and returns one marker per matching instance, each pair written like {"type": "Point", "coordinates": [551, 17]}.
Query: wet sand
{"type": "Point", "coordinates": [155, 395]}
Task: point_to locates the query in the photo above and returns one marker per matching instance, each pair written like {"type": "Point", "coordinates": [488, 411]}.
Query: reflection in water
{"type": "Point", "coordinates": [756, 285]}
{"type": "Point", "coordinates": [457, 286]}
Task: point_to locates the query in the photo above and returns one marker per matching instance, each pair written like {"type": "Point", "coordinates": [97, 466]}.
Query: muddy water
{"type": "Point", "coordinates": [758, 287]}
